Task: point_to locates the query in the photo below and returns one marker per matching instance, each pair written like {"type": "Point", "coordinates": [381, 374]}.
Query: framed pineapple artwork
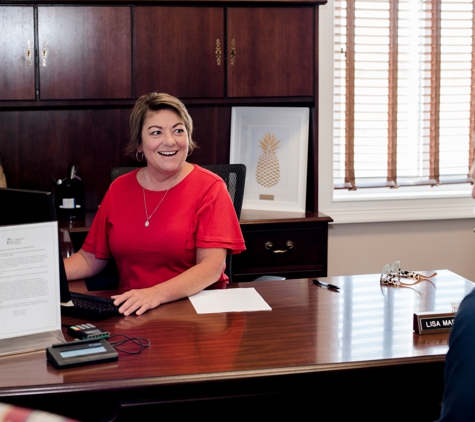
{"type": "Point", "coordinates": [272, 142]}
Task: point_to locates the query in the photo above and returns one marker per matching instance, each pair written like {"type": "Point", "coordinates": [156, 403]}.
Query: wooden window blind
{"type": "Point", "coordinates": [404, 99]}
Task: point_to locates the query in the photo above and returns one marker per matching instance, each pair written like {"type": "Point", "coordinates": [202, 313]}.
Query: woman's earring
{"type": "Point", "coordinates": [137, 156]}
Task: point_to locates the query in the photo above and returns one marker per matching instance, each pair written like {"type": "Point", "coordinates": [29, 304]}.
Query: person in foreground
{"type": "Point", "coordinates": [458, 403]}
{"type": "Point", "coordinates": [169, 225]}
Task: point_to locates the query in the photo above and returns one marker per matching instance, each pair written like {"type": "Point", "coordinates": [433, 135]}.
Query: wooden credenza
{"type": "Point", "coordinates": [279, 244]}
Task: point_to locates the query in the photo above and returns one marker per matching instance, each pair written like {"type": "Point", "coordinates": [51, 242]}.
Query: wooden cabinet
{"type": "Point", "coordinates": [17, 47]}
{"type": "Point", "coordinates": [268, 52]}
{"type": "Point", "coordinates": [180, 50]}
{"type": "Point", "coordinates": [80, 53]}
{"type": "Point", "coordinates": [287, 246]}
{"type": "Point", "coordinates": [84, 52]}
{"type": "Point", "coordinates": [71, 71]}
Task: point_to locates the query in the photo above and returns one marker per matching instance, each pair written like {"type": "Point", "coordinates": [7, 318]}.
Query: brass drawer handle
{"type": "Point", "coordinates": [289, 245]}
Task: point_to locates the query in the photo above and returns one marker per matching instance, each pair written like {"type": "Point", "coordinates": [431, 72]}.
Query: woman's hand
{"type": "Point", "coordinates": [208, 269]}
{"type": "Point", "coordinates": [138, 301]}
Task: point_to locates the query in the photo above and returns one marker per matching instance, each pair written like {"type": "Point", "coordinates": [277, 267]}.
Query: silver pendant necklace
{"type": "Point", "coordinates": [148, 217]}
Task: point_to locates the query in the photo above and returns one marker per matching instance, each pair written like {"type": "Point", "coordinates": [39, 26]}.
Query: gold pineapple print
{"type": "Point", "coordinates": [268, 167]}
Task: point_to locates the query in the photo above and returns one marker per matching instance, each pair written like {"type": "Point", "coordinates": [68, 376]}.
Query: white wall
{"type": "Point", "coordinates": [365, 248]}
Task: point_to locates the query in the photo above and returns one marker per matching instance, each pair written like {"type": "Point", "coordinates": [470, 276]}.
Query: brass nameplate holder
{"type": "Point", "coordinates": [433, 322]}
{"type": "Point", "coordinates": [263, 197]}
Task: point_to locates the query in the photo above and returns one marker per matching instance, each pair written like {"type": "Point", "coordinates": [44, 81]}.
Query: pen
{"type": "Point", "coordinates": [327, 285]}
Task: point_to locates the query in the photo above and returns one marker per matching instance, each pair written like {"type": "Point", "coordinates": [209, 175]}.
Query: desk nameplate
{"type": "Point", "coordinates": [433, 322]}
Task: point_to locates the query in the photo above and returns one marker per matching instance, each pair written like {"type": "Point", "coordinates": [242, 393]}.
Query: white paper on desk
{"type": "Point", "coordinates": [231, 300]}
{"type": "Point", "coordinates": [29, 279]}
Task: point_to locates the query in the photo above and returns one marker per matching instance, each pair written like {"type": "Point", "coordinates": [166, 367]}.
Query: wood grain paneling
{"type": "Point", "coordinates": [17, 72]}
{"type": "Point", "coordinates": [89, 52]}
{"type": "Point", "coordinates": [175, 51]}
{"type": "Point", "coordinates": [39, 146]}
{"type": "Point", "coordinates": [212, 131]}
{"type": "Point", "coordinates": [274, 52]}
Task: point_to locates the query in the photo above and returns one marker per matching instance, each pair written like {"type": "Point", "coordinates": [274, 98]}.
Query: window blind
{"type": "Point", "coordinates": [404, 97]}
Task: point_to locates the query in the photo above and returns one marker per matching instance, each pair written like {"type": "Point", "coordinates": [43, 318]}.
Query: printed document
{"type": "Point", "coordinates": [29, 280]}
{"type": "Point", "coordinates": [229, 300]}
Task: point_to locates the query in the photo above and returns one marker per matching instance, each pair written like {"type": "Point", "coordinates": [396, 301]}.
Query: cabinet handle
{"type": "Point", "coordinates": [218, 52]}
{"type": "Point", "coordinates": [233, 51]}
{"type": "Point", "coordinates": [28, 53]}
{"type": "Point", "coordinates": [288, 245]}
{"type": "Point", "coordinates": [44, 53]}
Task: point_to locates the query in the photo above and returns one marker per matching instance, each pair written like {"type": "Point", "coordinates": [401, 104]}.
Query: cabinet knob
{"type": "Point", "coordinates": [288, 245]}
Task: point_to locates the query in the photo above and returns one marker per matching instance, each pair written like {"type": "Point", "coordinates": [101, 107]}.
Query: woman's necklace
{"type": "Point", "coordinates": [147, 222]}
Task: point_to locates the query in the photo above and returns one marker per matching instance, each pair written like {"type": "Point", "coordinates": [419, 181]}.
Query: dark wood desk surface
{"type": "Point", "coordinates": [309, 331]}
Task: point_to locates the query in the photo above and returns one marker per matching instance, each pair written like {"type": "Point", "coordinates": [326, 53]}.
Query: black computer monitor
{"type": "Point", "coordinates": [20, 206]}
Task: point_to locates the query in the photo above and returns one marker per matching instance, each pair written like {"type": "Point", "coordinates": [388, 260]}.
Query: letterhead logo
{"type": "Point", "coordinates": [17, 241]}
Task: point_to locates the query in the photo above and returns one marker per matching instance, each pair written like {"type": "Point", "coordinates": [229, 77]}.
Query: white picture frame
{"type": "Point", "coordinates": [272, 142]}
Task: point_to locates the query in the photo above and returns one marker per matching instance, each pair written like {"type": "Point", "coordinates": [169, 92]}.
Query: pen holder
{"type": "Point", "coordinates": [69, 199]}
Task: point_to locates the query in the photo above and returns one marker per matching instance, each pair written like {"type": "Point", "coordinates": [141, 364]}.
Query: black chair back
{"type": "Point", "coordinates": [234, 175]}
{"type": "Point", "coordinates": [119, 171]}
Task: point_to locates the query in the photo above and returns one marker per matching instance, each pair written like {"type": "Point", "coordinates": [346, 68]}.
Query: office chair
{"type": "Point", "coordinates": [234, 175]}
{"type": "Point", "coordinates": [119, 171]}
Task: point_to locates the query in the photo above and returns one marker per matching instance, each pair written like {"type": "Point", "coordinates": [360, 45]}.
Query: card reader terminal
{"type": "Point", "coordinates": [81, 352]}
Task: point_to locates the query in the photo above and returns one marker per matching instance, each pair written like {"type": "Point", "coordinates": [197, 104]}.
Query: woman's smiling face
{"type": "Point", "coordinates": [164, 142]}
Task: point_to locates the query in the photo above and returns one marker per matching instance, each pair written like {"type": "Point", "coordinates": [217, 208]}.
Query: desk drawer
{"type": "Point", "coordinates": [292, 251]}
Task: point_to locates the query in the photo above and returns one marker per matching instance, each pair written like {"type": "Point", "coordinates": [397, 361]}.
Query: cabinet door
{"type": "Point", "coordinates": [17, 46]}
{"type": "Point", "coordinates": [84, 52]}
{"type": "Point", "coordinates": [270, 52]}
{"type": "Point", "coordinates": [180, 51]}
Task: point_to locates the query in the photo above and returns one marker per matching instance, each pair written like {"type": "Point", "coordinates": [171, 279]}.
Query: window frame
{"type": "Point", "coordinates": [452, 202]}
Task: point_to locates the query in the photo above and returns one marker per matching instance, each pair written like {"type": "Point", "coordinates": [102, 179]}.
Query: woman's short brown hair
{"type": "Point", "coordinates": [155, 102]}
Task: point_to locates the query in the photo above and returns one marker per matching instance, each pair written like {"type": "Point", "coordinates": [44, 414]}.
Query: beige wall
{"type": "Point", "coordinates": [419, 245]}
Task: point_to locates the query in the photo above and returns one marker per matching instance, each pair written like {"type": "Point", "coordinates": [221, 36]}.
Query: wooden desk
{"type": "Point", "coordinates": [316, 350]}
